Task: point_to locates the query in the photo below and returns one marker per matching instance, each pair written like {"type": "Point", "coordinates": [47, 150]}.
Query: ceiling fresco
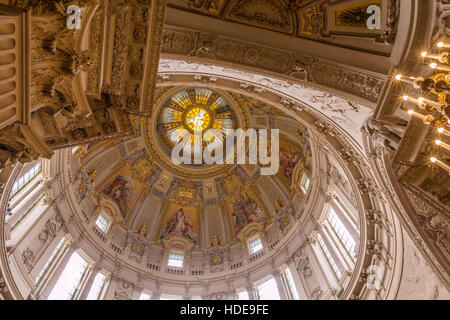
{"type": "Point", "coordinates": [173, 204]}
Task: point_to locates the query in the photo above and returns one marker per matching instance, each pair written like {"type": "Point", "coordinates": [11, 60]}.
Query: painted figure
{"type": "Point", "coordinates": [121, 190]}
{"type": "Point", "coordinates": [179, 224]}
{"type": "Point", "coordinates": [244, 212]}
{"type": "Point", "coordinates": [288, 160]}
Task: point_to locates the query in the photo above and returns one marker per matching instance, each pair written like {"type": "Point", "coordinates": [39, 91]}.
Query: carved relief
{"type": "Point", "coordinates": [96, 49]}
{"type": "Point", "coordinates": [359, 84]}
{"type": "Point", "coordinates": [124, 290]}
{"type": "Point", "coordinates": [28, 259]}
{"type": "Point", "coordinates": [17, 144]}
{"type": "Point", "coordinates": [316, 294]}
{"type": "Point", "coordinates": [432, 219]}
{"type": "Point", "coordinates": [3, 287]}
{"type": "Point", "coordinates": [201, 45]}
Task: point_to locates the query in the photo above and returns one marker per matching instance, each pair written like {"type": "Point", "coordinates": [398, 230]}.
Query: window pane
{"type": "Point", "coordinates": [144, 296]}
{"type": "Point", "coordinates": [50, 259]}
{"type": "Point", "coordinates": [102, 222]}
{"type": "Point", "coordinates": [304, 183]}
{"type": "Point", "coordinates": [22, 181]}
{"type": "Point", "coordinates": [170, 297]}
{"type": "Point", "coordinates": [14, 188]}
{"type": "Point", "coordinates": [290, 283]}
{"type": "Point", "coordinates": [97, 287]}
{"type": "Point", "coordinates": [342, 233]}
{"type": "Point", "coordinates": [255, 245]}
{"type": "Point", "coordinates": [268, 290]}
{"type": "Point", "coordinates": [329, 257]}
{"type": "Point", "coordinates": [175, 260]}
{"type": "Point", "coordinates": [70, 280]}
{"type": "Point", "coordinates": [243, 295]}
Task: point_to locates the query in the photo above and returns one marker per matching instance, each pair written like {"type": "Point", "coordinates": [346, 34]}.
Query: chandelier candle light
{"type": "Point", "coordinates": [409, 80]}
{"type": "Point", "coordinates": [426, 119]}
{"type": "Point", "coordinates": [438, 66]}
{"type": "Point", "coordinates": [443, 45]}
{"type": "Point", "coordinates": [437, 84]}
{"type": "Point", "coordinates": [442, 144]}
{"type": "Point", "coordinates": [443, 57]}
{"type": "Point", "coordinates": [440, 164]}
{"type": "Point", "coordinates": [412, 100]}
{"type": "Point", "coordinates": [437, 105]}
{"type": "Point", "coordinates": [443, 131]}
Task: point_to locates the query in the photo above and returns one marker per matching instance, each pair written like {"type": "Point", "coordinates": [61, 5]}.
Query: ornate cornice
{"type": "Point", "coordinates": [210, 48]}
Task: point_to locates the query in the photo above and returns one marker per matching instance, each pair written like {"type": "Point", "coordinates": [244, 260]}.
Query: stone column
{"type": "Point", "coordinates": [297, 281]}
{"type": "Point", "coordinates": [155, 295]}
{"type": "Point", "coordinates": [251, 292]}
{"type": "Point", "coordinates": [90, 280]}
{"type": "Point", "coordinates": [111, 290]}
{"type": "Point", "coordinates": [277, 276]}
{"type": "Point", "coordinates": [137, 291]}
{"type": "Point", "coordinates": [59, 270]}
{"type": "Point", "coordinates": [187, 296]}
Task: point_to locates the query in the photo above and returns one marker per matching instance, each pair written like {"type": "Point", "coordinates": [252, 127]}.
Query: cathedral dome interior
{"type": "Point", "coordinates": [346, 99]}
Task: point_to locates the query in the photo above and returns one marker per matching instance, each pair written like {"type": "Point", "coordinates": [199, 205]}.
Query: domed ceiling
{"type": "Point", "coordinates": [191, 109]}
{"type": "Point", "coordinates": [190, 206]}
{"type": "Point", "coordinates": [194, 109]}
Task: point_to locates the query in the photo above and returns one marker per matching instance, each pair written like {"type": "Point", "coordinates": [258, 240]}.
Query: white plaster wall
{"type": "Point", "coordinates": [419, 281]}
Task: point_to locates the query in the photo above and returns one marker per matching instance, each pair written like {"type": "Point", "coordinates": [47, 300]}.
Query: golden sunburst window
{"type": "Point", "coordinates": [197, 119]}
{"type": "Point", "coordinates": [195, 109]}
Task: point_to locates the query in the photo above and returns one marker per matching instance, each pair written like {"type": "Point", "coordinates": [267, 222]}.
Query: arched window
{"type": "Point", "coordinates": [103, 222]}
{"type": "Point", "coordinates": [268, 290]}
{"type": "Point", "coordinates": [327, 254]}
{"type": "Point", "coordinates": [53, 259]}
{"type": "Point", "coordinates": [71, 280]}
{"type": "Point", "coordinates": [26, 179]}
{"type": "Point", "coordinates": [175, 260]}
{"type": "Point", "coordinates": [288, 281]}
{"type": "Point", "coordinates": [26, 194]}
{"type": "Point", "coordinates": [98, 288]}
{"type": "Point", "coordinates": [304, 183]}
{"type": "Point", "coordinates": [255, 245]}
{"type": "Point", "coordinates": [243, 295]}
{"type": "Point", "coordinates": [145, 296]}
{"type": "Point", "coordinates": [340, 233]}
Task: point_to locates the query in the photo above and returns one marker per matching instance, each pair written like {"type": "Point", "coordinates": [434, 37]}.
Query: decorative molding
{"type": "Point", "coordinates": [187, 44]}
